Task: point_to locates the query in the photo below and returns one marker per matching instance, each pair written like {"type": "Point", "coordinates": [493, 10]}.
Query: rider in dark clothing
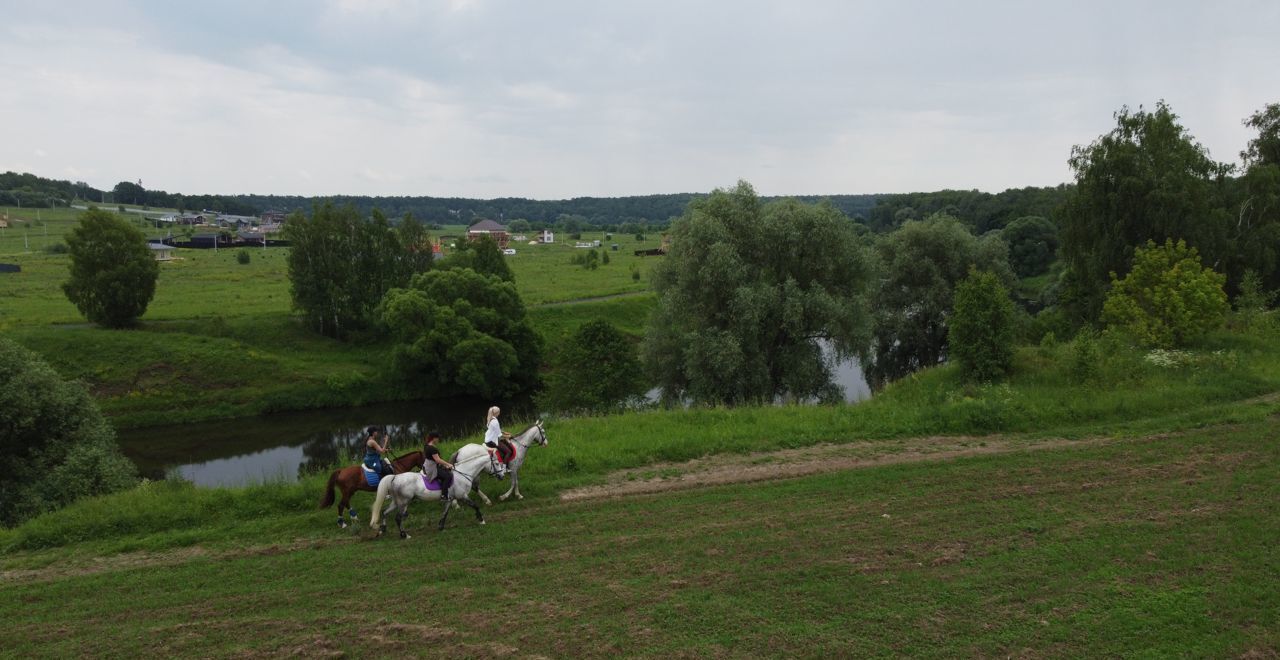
{"type": "Point", "coordinates": [444, 469]}
{"type": "Point", "coordinates": [374, 452]}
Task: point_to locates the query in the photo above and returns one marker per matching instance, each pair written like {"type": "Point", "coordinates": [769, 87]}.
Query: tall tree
{"type": "Point", "coordinates": [460, 332]}
{"type": "Point", "coordinates": [341, 265]}
{"type": "Point", "coordinates": [113, 273]}
{"type": "Point", "coordinates": [920, 265]}
{"type": "Point", "coordinates": [750, 294]}
{"type": "Point", "coordinates": [1147, 179]}
{"type": "Point", "coordinates": [595, 370]}
{"type": "Point", "coordinates": [1256, 230]}
{"type": "Point", "coordinates": [127, 192]}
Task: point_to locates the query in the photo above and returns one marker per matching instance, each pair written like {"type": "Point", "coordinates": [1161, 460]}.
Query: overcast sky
{"type": "Point", "coordinates": [554, 99]}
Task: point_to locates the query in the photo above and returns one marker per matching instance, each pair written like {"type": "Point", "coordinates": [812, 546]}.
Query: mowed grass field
{"type": "Point", "coordinates": [1151, 546]}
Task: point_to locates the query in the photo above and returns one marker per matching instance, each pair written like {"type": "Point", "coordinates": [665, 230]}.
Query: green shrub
{"type": "Point", "coordinates": [57, 248]}
{"type": "Point", "coordinates": [981, 327]}
{"type": "Point", "coordinates": [1086, 358]}
{"type": "Point", "coordinates": [242, 257]}
{"type": "Point", "coordinates": [1168, 299]}
{"type": "Point", "coordinates": [55, 447]}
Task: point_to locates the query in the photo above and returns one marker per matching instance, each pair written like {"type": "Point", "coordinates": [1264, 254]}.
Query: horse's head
{"type": "Point", "coordinates": [542, 433]}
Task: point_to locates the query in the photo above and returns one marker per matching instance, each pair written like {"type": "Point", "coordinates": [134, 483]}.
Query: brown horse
{"type": "Point", "coordinates": [351, 479]}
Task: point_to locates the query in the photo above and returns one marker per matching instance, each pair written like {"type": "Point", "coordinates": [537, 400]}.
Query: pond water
{"type": "Point", "coordinates": [283, 446]}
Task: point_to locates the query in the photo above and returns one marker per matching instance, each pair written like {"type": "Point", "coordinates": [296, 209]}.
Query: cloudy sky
{"type": "Point", "coordinates": [552, 99]}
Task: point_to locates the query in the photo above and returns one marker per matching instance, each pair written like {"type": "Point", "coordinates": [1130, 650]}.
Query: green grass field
{"type": "Point", "coordinates": [220, 338]}
{"type": "Point", "coordinates": [1151, 546]}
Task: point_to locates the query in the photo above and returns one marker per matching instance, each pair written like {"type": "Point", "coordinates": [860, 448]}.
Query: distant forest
{"type": "Point", "coordinates": [982, 211]}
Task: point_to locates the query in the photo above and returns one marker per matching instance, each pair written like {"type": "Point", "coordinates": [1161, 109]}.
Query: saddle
{"type": "Point", "coordinates": [371, 477]}
{"type": "Point", "coordinates": [506, 452]}
{"type": "Point", "coordinates": [430, 484]}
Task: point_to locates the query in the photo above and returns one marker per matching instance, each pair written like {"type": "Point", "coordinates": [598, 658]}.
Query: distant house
{"type": "Point", "coordinates": [547, 236]}
{"type": "Point", "coordinates": [237, 220]}
{"type": "Point", "coordinates": [489, 228]}
{"type": "Point", "coordinates": [272, 217]}
{"type": "Point", "coordinates": [161, 252]}
{"type": "Point", "coordinates": [252, 237]}
{"type": "Point", "coordinates": [206, 241]}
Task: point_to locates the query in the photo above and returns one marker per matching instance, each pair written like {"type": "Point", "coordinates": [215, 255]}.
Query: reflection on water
{"type": "Point", "coordinates": [286, 445]}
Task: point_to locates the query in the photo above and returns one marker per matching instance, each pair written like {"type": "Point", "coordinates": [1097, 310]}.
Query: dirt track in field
{"type": "Point", "coordinates": [764, 466]}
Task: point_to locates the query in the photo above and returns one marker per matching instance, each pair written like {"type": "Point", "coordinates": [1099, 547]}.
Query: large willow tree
{"type": "Point", "coordinates": [748, 296]}
{"type": "Point", "coordinates": [1147, 179]}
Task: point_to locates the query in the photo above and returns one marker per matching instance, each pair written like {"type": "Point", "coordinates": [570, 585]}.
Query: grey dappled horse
{"type": "Point", "coordinates": [405, 488]}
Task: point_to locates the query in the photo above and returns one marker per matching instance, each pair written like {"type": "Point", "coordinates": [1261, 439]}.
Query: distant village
{"type": "Point", "coordinates": [223, 231]}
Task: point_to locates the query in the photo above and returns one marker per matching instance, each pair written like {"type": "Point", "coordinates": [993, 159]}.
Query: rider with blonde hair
{"type": "Point", "coordinates": [493, 433]}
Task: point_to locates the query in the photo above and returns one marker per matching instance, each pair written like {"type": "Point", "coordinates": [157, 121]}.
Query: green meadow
{"type": "Point", "coordinates": [220, 338]}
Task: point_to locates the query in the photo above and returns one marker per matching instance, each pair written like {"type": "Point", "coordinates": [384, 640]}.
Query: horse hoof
{"type": "Point", "coordinates": [481, 522]}
{"type": "Point", "coordinates": [519, 496]}
{"type": "Point", "coordinates": [404, 535]}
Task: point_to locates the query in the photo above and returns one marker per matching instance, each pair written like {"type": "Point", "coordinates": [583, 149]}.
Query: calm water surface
{"type": "Point", "coordinates": [285, 446]}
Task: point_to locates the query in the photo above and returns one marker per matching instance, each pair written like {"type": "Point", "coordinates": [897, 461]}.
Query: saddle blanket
{"type": "Point", "coordinates": [370, 476]}
{"type": "Point", "coordinates": [430, 484]}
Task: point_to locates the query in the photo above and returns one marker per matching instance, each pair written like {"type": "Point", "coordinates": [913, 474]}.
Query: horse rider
{"type": "Point", "coordinates": [493, 434]}
{"type": "Point", "coordinates": [375, 452]}
{"type": "Point", "coordinates": [444, 469]}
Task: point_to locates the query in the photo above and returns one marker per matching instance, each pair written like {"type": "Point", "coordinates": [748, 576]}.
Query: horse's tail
{"type": "Point", "coordinates": [384, 486]}
{"type": "Point", "coordinates": [327, 500]}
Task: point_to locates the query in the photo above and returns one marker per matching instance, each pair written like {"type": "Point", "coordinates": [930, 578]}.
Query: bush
{"type": "Point", "coordinates": [1168, 299]}
{"type": "Point", "coordinates": [113, 275]}
{"type": "Point", "coordinates": [55, 447]}
{"type": "Point", "coordinates": [1086, 358]}
{"type": "Point", "coordinates": [981, 327]}
{"type": "Point", "coordinates": [242, 257]}
{"type": "Point", "coordinates": [596, 370]}
{"type": "Point", "coordinates": [57, 248]}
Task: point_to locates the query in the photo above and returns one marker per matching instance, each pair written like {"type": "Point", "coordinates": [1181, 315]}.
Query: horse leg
{"type": "Point", "coordinates": [345, 504]}
{"type": "Point", "coordinates": [485, 498]}
{"type": "Point", "coordinates": [479, 516]}
{"type": "Point", "coordinates": [448, 504]}
{"type": "Point", "coordinates": [401, 514]}
{"type": "Point", "coordinates": [515, 487]}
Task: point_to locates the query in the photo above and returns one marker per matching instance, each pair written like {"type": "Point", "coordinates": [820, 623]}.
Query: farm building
{"type": "Point", "coordinates": [489, 228]}
{"type": "Point", "coordinates": [161, 252]}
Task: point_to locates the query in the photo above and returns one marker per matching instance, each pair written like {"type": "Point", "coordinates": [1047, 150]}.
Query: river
{"type": "Point", "coordinates": [283, 446]}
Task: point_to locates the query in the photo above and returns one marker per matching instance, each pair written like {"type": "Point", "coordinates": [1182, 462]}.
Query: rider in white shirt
{"type": "Point", "coordinates": [493, 430]}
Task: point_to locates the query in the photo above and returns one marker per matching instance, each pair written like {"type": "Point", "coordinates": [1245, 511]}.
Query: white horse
{"type": "Point", "coordinates": [522, 442]}
{"type": "Point", "coordinates": [408, 486]}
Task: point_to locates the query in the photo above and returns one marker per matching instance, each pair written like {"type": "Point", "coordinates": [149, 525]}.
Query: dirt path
{"type": "Point", "coordinates": [728, 469]}
{"type": "Point", "coordinates": [591, 299]}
